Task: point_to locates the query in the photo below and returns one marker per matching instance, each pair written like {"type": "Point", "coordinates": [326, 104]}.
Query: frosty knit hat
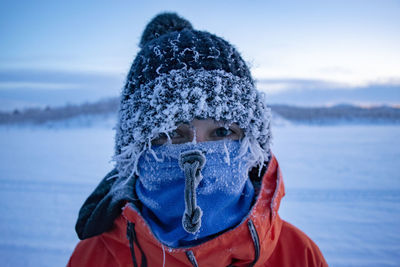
{"type": "Point", "coordinates": [181, 74]}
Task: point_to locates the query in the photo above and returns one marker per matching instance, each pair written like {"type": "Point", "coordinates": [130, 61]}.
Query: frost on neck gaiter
{"type": "Point", "coordinates": [225, 168]}
{"type": "Point", "coordinates": [225, 190]}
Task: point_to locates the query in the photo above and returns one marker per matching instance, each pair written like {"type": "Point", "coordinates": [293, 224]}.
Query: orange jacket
{"type": "Point", "coordinates": [262, 239]}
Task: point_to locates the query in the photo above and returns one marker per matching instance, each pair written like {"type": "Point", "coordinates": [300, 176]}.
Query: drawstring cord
{"type": "Point", "coordinates": [191, 162]}
{"type": "Point", "coordinates": [256, 241]}
{"type": "Point", "coordinates": [191, 258]}
{"type": "Point", "coordinates": [163, 255]}
{"type": "Point", "coordinates": [131, 235]}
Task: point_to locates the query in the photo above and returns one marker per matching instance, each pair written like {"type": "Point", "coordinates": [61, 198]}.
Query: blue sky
{"type": "Point", "coordinates": [289, 44]}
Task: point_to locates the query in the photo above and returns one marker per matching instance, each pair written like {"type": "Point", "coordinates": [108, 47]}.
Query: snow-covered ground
{"type": "Point", "coordinates": [342, 189]}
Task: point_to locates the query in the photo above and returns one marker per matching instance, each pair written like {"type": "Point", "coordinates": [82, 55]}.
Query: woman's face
{"type": "Point", "coordinates": [202, 131]}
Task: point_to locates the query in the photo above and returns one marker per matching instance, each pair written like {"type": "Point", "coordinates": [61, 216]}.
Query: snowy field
{"type": "Point", "coordinates": [342, 189]}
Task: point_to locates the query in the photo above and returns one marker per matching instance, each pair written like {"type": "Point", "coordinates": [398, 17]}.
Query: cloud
{"type": "Point", "coordinates": [278, 86]}
{"type": "Point", "coordinates": [38, 85]}
{"type": "Point", "coordinates": [57, 80]}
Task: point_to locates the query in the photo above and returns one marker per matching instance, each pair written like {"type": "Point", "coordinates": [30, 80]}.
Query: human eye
{"type": "Point", "coordinates": [175, 137]}
{"type": "Point", "coordinates": [181, 135]}
{"type": "Point", "coordinates": [174, 134]}
{"type": "Point", "coordinates": [160, 139]}
{"type": "Point", "coordinates": [223, 132]}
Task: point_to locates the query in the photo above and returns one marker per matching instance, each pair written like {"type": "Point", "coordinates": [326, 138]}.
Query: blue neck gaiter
{"type": "Point", "coordinates": [175, 190]}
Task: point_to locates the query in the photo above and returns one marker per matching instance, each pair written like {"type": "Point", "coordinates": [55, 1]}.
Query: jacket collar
{"type": "Point", "coordinates": [255, 237]}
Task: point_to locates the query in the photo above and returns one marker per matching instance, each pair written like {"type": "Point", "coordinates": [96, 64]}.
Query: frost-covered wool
{"type": "Point", "coordinates": [181, 74]}
{"type": "Point", "coordinates": [183, 95]}
{"type": "Point", "coordinates": [180, 46]}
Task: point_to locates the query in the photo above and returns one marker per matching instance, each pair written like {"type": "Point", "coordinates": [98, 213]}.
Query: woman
{"type": "Point", "coordinates": [195, 183]}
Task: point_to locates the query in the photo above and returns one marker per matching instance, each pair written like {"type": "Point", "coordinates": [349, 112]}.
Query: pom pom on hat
{"type": "Point", "coordinates": [162, 24]}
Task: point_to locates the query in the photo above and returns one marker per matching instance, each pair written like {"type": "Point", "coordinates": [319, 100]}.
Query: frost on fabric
{"type": "Point", "coordinates": [218, 175]}
{"type": "Point", "coordinates": [227, 156]}
{"type": "Point", "coordinates": [181, 96]}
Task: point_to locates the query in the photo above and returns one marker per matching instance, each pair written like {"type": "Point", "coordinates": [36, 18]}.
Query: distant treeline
{"type": "Point", "coordinates": [50, 114]}
{"type": "Point", "coordinates": [339, 114]}
{"type": "Point", "coordinates": [318, 115]}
